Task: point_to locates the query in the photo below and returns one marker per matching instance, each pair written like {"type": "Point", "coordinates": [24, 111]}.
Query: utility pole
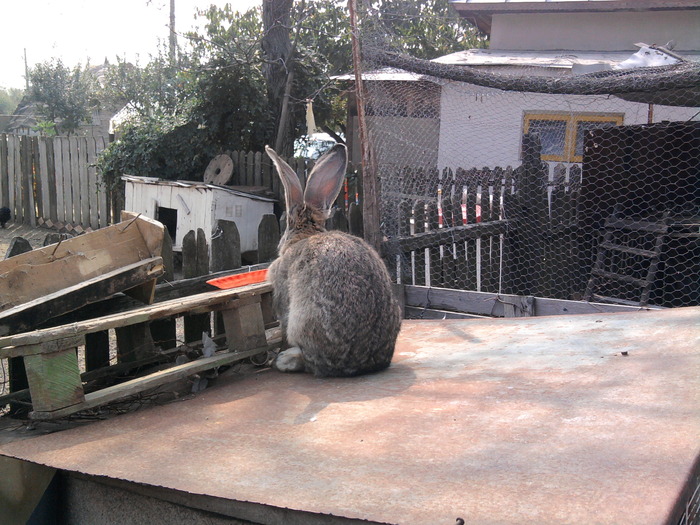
{"type": "Point", "coordinates": [173, 36]}
{"type": "Point", "coordinates": [26, 70]}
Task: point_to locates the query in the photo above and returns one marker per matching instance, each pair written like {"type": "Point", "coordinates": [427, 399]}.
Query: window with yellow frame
{"type": "Point", "coordinates": [561, 134]}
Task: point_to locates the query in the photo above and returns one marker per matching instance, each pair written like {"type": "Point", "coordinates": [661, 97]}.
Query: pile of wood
{"type": "Point", "coordinates": [66, 295]}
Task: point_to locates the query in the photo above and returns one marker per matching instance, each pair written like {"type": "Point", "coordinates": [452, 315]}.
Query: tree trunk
{"type": "Point", "coordinates": [278, 69]}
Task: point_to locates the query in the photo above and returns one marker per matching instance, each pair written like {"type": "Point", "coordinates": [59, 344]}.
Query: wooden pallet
{"type": "Point", "coordinates": [611, 244]}
{"type": "Point", "coordinates": [52, 364]}
{"type": "Point", "coordinates": [40, 284]}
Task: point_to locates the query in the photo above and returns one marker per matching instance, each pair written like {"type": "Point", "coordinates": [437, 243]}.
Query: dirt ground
{"type": "Point", "coordinates": [35, 236]}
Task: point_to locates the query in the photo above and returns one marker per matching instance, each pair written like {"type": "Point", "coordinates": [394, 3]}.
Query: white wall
{"type": "Point", "coordinates": [481, 127]}
{"type": "Point", "coordinates": [246, 213]}
{"type": "Point", "coordinates": [617, 31]}
{"type": "Point", "coordinates": [199, 207]}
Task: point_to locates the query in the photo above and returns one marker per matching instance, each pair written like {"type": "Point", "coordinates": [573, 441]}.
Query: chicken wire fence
{"type": "Point", "coordinates": [526, 180]}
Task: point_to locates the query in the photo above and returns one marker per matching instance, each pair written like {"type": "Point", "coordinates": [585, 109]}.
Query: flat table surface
{"type": "Point", "coordinates": [564, 419]}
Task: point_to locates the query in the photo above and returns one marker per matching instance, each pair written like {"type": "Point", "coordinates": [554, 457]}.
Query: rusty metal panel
{"type": "Point", "coordinates": [578, 419]}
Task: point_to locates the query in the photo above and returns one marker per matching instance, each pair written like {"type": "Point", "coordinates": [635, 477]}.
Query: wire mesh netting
{"type": "Point", "coordinates": [536, 180]}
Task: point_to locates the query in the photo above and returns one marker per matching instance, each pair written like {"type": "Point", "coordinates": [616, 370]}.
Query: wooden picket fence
{"type": "Point", "coordinates": [254, 168]}
{"type": "Point", "coordinates": [53, 182]}
{"type": "Point", "coordinates": [497, 230]}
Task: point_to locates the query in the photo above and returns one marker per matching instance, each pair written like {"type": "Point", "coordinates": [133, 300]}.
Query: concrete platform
{"type": "Point", "coordinates": [567, 419]}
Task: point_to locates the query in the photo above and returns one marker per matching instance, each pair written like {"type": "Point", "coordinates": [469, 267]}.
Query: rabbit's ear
{"type": "Point", "coordinates": [326, 179]}
{"type": "Point", "coordinates": [293, 192]}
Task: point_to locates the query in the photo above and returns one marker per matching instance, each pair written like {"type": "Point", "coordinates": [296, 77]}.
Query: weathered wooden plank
{"type": "Point", "coordinates": [32, 275]}
{"type": "Point", "coordinates": [96, 350]}
{"type": "Point", "coordinates": [57, 144]}
{"type": "Point", "coordinates": [101, 188]}
{"type": "Point", "coordinates": [51, 180]}
{"type": "Point", "coordinates": [164, 292]}
{"type": "Point", "coordinates": [91, 209]}
{"type": "Point", "coordinates": [12, 164]}
{"type": "Point", "coordinates": [481, 303]}
{"type": "Point", "coordinates": [195, 262]}
{"type": "Point", "coordinates": [245, 328]}
{"type": "Point", "coordinates": [84, 190]}
{"type": "Point", "coordinates": [54, 380]}
{"type": "Point", "coordinates": [75, 179]}
{"type": "Point", "coordinates": [258, 178]}
{"type": "Point", "coordinates": [502, 305]}
{"type": "Point", "coordinates": [446, 236]}
{"type": "Point", "coordinates": [413, 312]}
{"type": "Point", "coordinates": [547, 306]}
{"type": "Point", "coordinates": [29, 314]}
{"type": "Point", "coordinates": [225, 247]}
{"type": "Point", "coordinates": [134, 342]}
{"type": "Point", "coordinates": [43, 180]}
{"type": "Point", "coordinates": [250, 168]}
{"type": "Point", "coordinates": [135, 386]}
{"type": "Point", "coordinates": [273, 336]}
{"type": "Point", "coordinates": [206, 300]}
{"type": "Point", "coordinates": [23, 182]}
{"type": "Point", "coordinates": [268, 238]}
{"type": "Point", "coordinates": [17, 182]}
{"type": "Point", "coordinates": [4, 193]}
{"type": "Point", "coordinates": [164, 331]}
{"type": "Point", "coordinates": [31, 183]}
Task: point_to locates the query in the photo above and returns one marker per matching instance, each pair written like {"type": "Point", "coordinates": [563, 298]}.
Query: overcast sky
{"type": "Point", "coordinates": [78, 30]}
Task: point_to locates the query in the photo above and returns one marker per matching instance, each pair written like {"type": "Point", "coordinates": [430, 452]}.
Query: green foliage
{"type": "Point", "coordinates": [214, 97]}
{"type": "Point", "coordinates": [46, 128]}
{"type": "Point", "coordinates": [210, 100]}
{"type": "Point", "coordinates": [9, 98]}
{"type": "Point", "coordinates": [64, 97]}
{"type": "Point", "coordinates": [424, 29]}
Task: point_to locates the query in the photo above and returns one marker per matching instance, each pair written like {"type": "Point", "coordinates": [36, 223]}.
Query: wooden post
{"type": "Point", "coordinates": [337, 220]}
{"type": "Point", "coordinates": [268, 238]}
{"type": "Point", "coordinates": [134, 342]}
{"type": "Point", "coordinates": [16, 369]}
{"type": "Point", "coordinates": [533, 220]}
{"type": "Point", "coordinates": [225, 255]}
{"type": "Point", "coordinates": [4, 192]}
{"type": "Point", "coordinates": [164, 331]}
{"type": "Point", "coordinates": [370, 201]}
{"type": "Point", "coordinates": [225, 247]}
{"type": "Point", "coordinates": [245, 328]}
{"type": "Point", "coordinates": [18, 245]}
{"type": "Point", "coordinates": [54, 378]}
{"type": "Point", "coordinates": [96, 350]}
{"type": "Point", "coordinates": [195, 262]}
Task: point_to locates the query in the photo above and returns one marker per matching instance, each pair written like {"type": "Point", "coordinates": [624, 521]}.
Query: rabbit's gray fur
{"type": "Point", "coordinates": [331, 291]}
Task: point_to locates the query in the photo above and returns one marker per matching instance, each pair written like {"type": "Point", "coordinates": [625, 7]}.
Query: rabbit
{"type": "Point", "coordinates": [331, 291]}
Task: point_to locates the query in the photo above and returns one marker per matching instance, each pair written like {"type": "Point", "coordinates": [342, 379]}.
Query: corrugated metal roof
{"type": "Point", "coordinates": [575, 62]}
{"type": "Point", "coordinates": [195, 185]}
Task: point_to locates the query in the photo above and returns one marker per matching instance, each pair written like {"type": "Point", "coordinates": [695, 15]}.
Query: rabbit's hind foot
{"type": "Point", "coordinates": [290, 360]}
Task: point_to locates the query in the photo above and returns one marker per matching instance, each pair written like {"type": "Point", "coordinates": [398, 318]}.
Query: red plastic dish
{"type": "Point", "coordinates": [240, 279]}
